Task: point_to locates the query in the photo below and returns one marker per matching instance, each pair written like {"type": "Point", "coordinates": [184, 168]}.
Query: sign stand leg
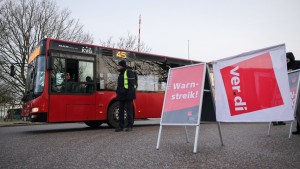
{"type": "Point", "coordinates": [196, 139]}
{"type": "Point", "coordinates": [186, 135]}
{"type": "Point", "coordinates": [269, 128]}
{"type": "Point", "coordinates": [290, 133]}
{"type": "Point", "coordinates": [158, 139]}
{"type": "Point", "coordinates": [220, 133]}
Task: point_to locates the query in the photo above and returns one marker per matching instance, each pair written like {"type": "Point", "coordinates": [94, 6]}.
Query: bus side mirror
{"type": "Point", "coordinates": [50, 63]}
{"type": "Point", "coordinates": [12, 70]}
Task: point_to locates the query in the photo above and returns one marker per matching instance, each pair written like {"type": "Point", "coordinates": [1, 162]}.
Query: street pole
{"type": "Point", "coordinates": [189, 49]}
{"type": "Point", "coordinates": [140, 21]}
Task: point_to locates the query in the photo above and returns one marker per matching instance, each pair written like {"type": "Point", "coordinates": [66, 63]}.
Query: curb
{"type": "Point", "coordinates": [19, 124]}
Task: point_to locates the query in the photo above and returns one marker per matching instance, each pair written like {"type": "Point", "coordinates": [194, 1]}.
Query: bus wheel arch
{"type": "Point", "coordinates": [113, 114]}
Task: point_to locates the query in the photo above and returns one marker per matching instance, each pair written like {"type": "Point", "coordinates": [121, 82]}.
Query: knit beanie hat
{"type": "Point", "coordinates": [122, 63]}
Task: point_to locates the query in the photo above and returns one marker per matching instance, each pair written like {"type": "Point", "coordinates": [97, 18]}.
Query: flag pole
{"type": "Point", "coordinates": [140, 20]}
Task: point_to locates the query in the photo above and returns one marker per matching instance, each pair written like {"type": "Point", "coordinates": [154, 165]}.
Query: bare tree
{"type": "Point", "coordinates": [23, 24]}
{"type": "Point", "coordinates": [5, 96]}
{"type": "Point", "coordinates": [127, 43]}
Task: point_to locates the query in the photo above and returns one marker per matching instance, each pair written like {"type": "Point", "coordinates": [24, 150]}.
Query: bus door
{"type": "Point", "coordinates": [72, 90]}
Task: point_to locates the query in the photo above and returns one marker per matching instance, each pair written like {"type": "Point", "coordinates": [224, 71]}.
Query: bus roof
{"type": "Point", "coordinates": [138, 53]}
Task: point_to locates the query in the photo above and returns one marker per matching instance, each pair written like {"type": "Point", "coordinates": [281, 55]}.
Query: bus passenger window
{"type": "Point", "coordinates": [89, 87]}
{"type": "Point", "coordinates": [57, 75]}
{"type": "Point", "coordinates": [59, 78]}
{"type": "Point", "coordinates": [59, 82]}
{"type": "Point", "coordinates": [85, 69]}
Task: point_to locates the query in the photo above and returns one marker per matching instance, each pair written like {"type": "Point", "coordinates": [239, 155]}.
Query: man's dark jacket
{"type": "Point", "coordinates": [122, 93]}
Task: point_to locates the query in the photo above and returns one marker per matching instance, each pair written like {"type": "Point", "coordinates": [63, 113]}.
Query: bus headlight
{"type": "Point", "coordinates": [35, 109]}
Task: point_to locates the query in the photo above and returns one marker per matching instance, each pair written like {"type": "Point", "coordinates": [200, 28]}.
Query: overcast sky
{"type": "Point", "coordinates": [215, 29]}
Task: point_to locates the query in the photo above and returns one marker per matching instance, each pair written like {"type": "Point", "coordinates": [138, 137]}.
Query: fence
{"type": "Point", "coordinates": [10, 112]}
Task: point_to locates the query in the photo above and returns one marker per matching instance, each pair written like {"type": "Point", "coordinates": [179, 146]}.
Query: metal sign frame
{"type": "Point", "coordinates": [199, 110]}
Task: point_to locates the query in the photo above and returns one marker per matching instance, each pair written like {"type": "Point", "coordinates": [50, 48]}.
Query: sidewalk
{"type": "Point", "coordinates": [13, 122]}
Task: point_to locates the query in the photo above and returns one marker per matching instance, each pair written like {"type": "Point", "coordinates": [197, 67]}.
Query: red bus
{"type": "Point", "coordinates": [74, 82]}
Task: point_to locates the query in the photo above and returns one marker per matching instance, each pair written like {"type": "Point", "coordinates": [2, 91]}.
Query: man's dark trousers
{"type": "Point", "coordinates": [128, 104]}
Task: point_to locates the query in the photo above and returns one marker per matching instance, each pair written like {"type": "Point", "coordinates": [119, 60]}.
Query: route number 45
{"type": "Point", "coordinates": [121, 54]}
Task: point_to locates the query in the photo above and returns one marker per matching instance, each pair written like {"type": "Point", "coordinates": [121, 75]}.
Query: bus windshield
{"type": "Point", "coordinates": [35, 81]}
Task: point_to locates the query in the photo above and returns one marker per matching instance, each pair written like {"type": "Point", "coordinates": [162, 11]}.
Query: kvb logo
{"type": "Point", "coordinates": [251, 85]}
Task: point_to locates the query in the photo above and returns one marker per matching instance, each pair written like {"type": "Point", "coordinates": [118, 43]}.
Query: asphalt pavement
{"type": "Point", "coordinates": [73, 145]}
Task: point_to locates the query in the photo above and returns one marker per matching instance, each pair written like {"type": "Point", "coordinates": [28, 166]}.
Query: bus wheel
{"type": "Point", "coordinates": [93, 124]}
{"type": "Point", "coordinates": [113, 115]}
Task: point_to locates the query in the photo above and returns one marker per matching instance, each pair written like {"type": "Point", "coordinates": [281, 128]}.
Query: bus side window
{"type": "Point", "coordinates": [86, 75]}
{"type": "Point", "coordinates": [59, 78]}
{"type": "Point", "coordinates": [150, 75]}
{"type": "Point", "coordinates": [89, 87]}
{"type": "Point", "coordinates": [57, 75]}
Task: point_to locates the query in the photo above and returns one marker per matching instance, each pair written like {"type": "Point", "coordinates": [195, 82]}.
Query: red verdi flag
{"type": "Point", "coordinates": [243, 93]}
{"type": "Point", "coordinates": [253, 87]}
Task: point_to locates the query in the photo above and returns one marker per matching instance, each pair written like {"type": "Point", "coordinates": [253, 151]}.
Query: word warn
{"type": "Point", "coordinates": [184, 85]}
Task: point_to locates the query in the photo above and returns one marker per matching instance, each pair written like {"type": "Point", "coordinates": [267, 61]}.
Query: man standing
{"type": "Point", "coordinates": [125, 95]}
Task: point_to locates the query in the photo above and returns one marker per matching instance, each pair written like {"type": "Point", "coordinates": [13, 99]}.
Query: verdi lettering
{"type": "Point", "coordinates": [250, 85]}
{"type": "Point", "coordinates": [235, 82]}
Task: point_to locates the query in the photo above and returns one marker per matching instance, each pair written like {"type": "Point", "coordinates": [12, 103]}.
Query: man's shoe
{"type": "Point", "coordinates": [128, 129]}
{"type": "Point", "coordinates": [296, 132]}
{"type": "Point", "coordinates": [119, 129]}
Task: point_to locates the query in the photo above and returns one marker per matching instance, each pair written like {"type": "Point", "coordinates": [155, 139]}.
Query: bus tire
{"type": "Point", "coordinates": [113, 115]}
{"type": "Point", "coordinates": [93, 124]}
